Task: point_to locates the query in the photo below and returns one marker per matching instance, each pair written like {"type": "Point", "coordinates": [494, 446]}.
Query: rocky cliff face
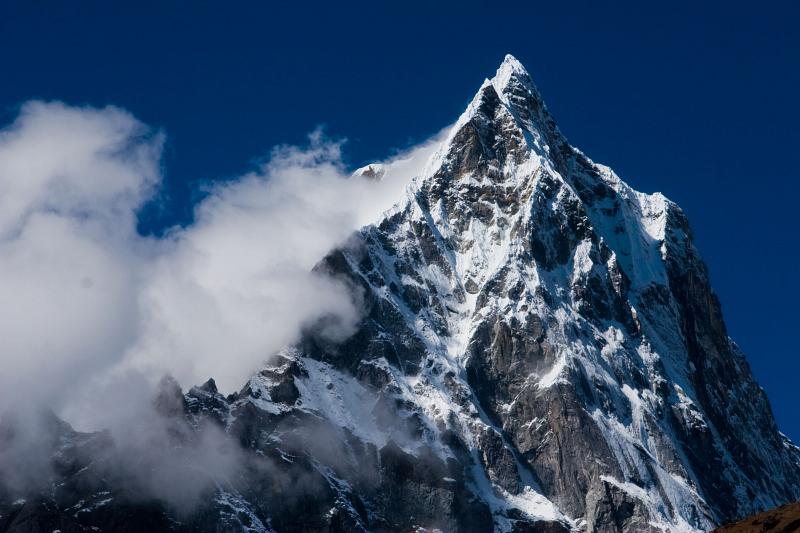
{"type": "Point", "coordinates": [540, 351]}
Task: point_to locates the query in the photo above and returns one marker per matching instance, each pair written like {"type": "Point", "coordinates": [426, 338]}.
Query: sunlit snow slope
{"type": "Point", "coordinates": [553, 331]}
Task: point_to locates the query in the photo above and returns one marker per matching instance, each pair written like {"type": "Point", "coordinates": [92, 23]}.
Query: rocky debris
{"type": "Point", "coordinates": [784, 519]}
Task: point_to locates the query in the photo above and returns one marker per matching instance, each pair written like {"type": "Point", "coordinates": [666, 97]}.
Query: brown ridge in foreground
{"type": "Point", "coordinates": [783, 519]}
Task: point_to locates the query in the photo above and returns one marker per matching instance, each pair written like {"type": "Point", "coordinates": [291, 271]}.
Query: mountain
{"type": "Point", "coordinates": [540, 350]}
{"type": "Point", "coordinates": [784, 519]}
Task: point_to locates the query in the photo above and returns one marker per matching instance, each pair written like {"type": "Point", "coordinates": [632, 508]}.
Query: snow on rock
{"type": "Point", "coordinates": [543, 305]}
{"type": "Point", "coordinates": [374, 171]}
{"type": "Point", "coordinates": [540, 348]}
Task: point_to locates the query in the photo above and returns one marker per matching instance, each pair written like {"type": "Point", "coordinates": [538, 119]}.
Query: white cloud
{"type": "Point", "coordinates": [85, 302]}
{"type": "Point", "coordinates": [70, 180]}
{"type": "Point", "coordinates": [78, 163]}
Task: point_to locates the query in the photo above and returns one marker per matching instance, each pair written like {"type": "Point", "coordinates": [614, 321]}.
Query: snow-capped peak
{"type": "Point", "coordinates": [510, 67]}
{"type": "Point", "coordinates": [540, 349]}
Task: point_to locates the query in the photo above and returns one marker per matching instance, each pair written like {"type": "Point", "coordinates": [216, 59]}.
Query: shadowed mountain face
{"type": "Point", "coordinates": [540, 350]}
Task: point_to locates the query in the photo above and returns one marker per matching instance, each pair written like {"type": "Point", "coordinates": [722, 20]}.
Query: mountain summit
{"type": "Point", "coordinates": [540, 350]}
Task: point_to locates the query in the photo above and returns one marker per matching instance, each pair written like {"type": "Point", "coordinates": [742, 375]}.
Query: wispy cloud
{"type": "Point", "coordinates": [87, 303]}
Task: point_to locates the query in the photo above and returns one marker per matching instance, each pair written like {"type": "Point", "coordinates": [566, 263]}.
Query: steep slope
{"type": "Point", "coordinates": [540, 351]}
{"type": "Point", "coordinates": [561, 328]}
{"type": "Point", "coordinates": [784, 519]}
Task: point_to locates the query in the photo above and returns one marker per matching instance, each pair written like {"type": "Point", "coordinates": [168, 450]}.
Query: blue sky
{"type": "Point", "coordinates": [696, 100]}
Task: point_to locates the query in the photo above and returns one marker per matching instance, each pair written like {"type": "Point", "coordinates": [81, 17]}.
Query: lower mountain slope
{"type": "Point", "coordinates": [784, 519]}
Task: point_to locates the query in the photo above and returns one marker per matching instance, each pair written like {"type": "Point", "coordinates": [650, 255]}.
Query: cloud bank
{"type": "Point", "coordinates": [90, 309]}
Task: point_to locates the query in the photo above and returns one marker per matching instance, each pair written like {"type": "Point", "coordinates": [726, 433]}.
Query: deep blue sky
{"type": "Point", "coordinates": [698, 100]}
